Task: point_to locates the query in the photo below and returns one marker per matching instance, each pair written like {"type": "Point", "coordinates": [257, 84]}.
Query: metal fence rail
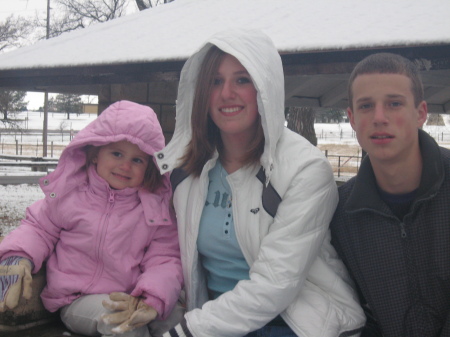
{"type": "Point", "coordinates": [344, 166]}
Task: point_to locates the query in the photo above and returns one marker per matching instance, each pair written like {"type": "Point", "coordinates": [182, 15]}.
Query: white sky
{"type": "Point", "coordinates": [22, 8]}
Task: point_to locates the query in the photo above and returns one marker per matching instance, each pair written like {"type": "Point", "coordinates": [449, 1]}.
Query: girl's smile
{"type": "Point", "coordinates": [122, 164]}
{"type": "Point", "coordinates": [233, 106]}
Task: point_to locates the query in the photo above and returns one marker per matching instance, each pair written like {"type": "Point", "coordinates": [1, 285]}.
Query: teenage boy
{"type": "Point", "coordinates": [392, 224]}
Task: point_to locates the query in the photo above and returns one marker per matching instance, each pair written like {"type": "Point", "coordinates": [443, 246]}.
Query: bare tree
{"type": "Point", "coordinates": [69, 15]}
{"type": "Point", "coordinates": [301, 120]}
{"type": "Point", "coordinates": [144, 4]}
{"type": "Point", "coordinates": [435, 119]}
{"type": "Point", "coordinates": [13, 32]}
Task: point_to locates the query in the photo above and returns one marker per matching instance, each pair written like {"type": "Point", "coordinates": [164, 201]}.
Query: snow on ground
{"type": "Point", "coordinates": [34, 120]}
{"type": "Point", "coordinates": [15, 198]}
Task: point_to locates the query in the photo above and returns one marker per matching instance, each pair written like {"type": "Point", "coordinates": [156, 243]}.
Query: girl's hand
{"type": "Point", "coordinates": [15, 280]}
{"type": "Point", "coordinates": [131, 313]}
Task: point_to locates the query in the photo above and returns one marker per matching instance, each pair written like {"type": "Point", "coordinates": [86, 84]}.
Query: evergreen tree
{"type": "Point", "coordinates": [68, 103]}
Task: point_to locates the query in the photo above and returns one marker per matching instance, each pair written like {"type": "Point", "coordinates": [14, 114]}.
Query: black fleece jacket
{"type": "Point", "coordinates": [401, 266]}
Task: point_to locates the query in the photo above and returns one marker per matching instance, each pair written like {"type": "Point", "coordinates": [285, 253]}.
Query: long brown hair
{"type": "Point", "coordinates": [205, 134]}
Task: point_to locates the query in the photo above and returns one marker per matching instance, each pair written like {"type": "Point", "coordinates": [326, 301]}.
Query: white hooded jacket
{"type": "Point", "coordinates": [294, 271]}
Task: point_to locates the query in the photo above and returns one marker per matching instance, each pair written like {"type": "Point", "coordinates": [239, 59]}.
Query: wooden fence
{"type": "Point", "coordinates": [42, 164]}
{"type": "Point", "coordinates": [344, 167]}
{"type": "Point", "coordinates": [21, 149]}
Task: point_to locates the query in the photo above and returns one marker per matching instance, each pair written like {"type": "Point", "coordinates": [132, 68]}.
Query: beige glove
{"type": "Point", "coordinates": [132, 312]}
{"type": "Point", "coordinates": [15, 280]}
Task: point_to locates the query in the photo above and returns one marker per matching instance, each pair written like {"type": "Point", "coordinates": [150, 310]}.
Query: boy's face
{"type": "Point", "coordinates": [384, 116]}
{"type": "Point", "coordinates": [122, 164]}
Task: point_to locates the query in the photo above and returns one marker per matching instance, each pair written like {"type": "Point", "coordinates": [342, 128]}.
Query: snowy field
{"type": "Point", "coordinates": [14, 199]}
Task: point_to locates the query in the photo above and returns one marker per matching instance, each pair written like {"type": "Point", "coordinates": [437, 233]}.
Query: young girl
{"type": "Point", "coordinates": [105, 229]}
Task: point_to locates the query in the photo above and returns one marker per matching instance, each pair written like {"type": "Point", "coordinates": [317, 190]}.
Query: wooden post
{"type": "Point", "coordinates": [339, 166]}
{"type": "Point", "coordinates": [45, 124]}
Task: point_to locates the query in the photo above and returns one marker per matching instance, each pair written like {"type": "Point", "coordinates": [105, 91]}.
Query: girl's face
{"type": "Point", "coordinates": [122, 164]}
{"type": "Point", "coordinates": [233, 106]}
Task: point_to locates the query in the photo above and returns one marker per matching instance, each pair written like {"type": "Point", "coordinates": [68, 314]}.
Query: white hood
{"type": "Point", "coordinates": [257, 53]}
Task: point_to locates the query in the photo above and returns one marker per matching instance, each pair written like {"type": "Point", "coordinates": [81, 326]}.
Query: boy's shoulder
{"type": "Point", "coordinates": [445, 153]}
{"type": "Point", "coordinates": [346, 189]}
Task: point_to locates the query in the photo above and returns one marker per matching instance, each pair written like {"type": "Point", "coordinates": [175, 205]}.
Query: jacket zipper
{"type": "Point", "coordinates": [102, 233]}
{"type": "Point", "coordinates": [403, 230]}
{"type": "Point", "coordinates": [237, 229]}
{"type": "Point", "coordinates": [199, 204]}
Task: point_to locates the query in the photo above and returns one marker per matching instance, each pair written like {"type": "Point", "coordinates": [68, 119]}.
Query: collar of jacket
{"type": "Point", "coordinates": [155, 205]}
{"type": "Point", "coordinates": [99, 186]}
{"type": "Point", "coordinates": [365, 192]}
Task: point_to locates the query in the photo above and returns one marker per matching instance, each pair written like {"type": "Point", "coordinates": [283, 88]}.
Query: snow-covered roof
{"type": "Point", "coordinates": [175, 30]}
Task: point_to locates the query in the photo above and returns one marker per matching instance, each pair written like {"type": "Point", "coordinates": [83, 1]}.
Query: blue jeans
{"type": "Point", "coordinates": [272, 331]}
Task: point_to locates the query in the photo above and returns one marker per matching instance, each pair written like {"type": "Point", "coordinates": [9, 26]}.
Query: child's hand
{"type": "Point", "coordinates": [15, 279]}
{"type": "Point", "coordinates": [132, 312]}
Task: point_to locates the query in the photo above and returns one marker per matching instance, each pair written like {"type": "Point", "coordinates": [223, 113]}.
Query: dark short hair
{"type": "Point", "coordinates": [388, 63]}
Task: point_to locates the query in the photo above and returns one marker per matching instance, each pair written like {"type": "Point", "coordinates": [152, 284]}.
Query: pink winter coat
{"type": "Point", "coordinates": [98, 240]}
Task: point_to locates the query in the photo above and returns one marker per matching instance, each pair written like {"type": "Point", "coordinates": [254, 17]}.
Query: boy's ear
{"type": "Point", "coordinates": [422, 111]}
{"type": "Point", "coordinates": [351, 117]}
{"type": "Point", "coordinates": [94, 160]}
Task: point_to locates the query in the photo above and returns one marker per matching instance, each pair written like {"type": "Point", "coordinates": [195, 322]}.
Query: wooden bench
{"type": "Point", "coordinates": [30, 318]}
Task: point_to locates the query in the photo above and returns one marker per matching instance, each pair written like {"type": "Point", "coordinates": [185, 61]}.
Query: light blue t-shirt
{"type": "Point", "coordinates": [219, 250]}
